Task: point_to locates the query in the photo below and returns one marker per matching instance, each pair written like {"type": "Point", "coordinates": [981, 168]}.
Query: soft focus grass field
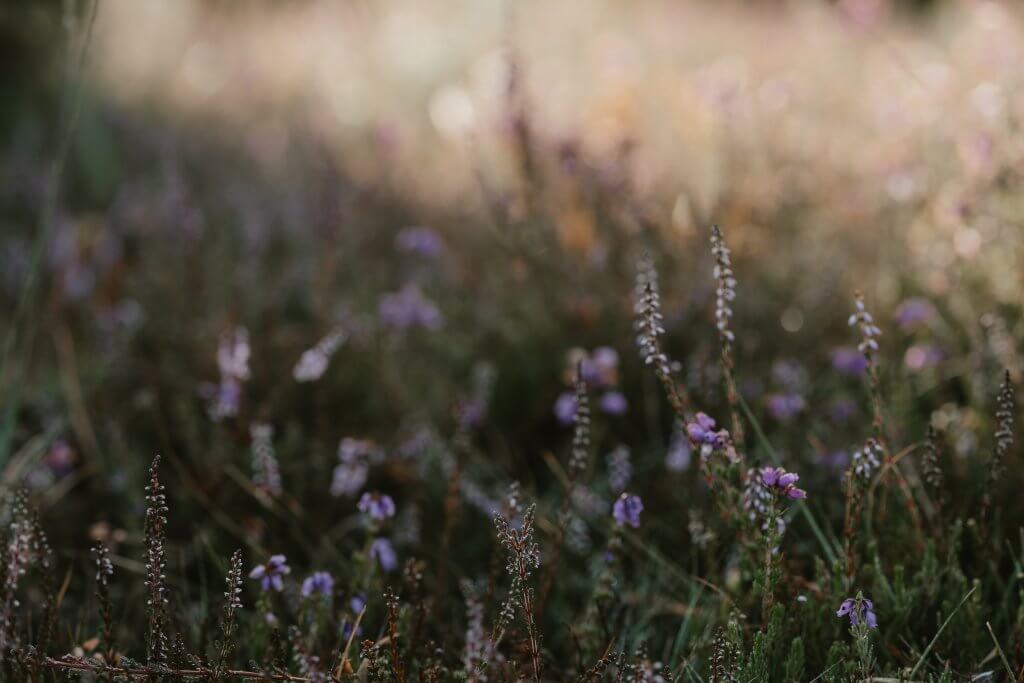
{"type": "Point", "coordinates": [352, 269]}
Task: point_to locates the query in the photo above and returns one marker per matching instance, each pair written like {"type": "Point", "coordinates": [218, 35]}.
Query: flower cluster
{"type": "Point", "coordinates": [867, 459]}
{"type": "Point", "coordinates": [383, 553]}
{"type": "Point", "coordinates": [783, 483]}
{"type": "Point", "coordinates": [233, 355]}
{"type": "Point", "coordinates": [409, 308]}
{"type": "Point", "coordinates": [868, 330]}
{"type": "Point", "coordinates": [702, 432]}
{"type": "Point", "coordinates": [620, 469]}
{"type": "Point", "coordinates": [351, 473]}
{"type": "Point", "coordinates": [377, 506]}
{"type": "Point", "coordinates": [858, 610]}
{"type": "Point", "coordinates": [725, 293]}
{"type": "Point", "coordinates": [598, 370]}
{"type": "Point", "coordinates": [318, 583]}
{"type": "Point", "coordinates": [271, 575]}
{"type": "Point", "coordinates": [627, 509]}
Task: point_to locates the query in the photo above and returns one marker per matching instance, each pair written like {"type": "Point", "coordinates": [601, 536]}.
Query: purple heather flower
{"type": "Point", "coordinates": [614, 403]}
{"type": "Point", "coordinates": [914, 312]}
{"type": "Point", "coordinates": [784, 407]}
{"type": "Point", "coordinates": [420, 240]}
{"type": "Point", "coordinates": [408, 308]}
{"type": "Point", "coordinates": [627, 510]}
{"type": "Point", "coordinates": [849, 361]}
{"type": "Point", "coordinates": [271, 575]}
{"type": "Point", "coordinates": [565, 408]}
{"type": "Point", "coordinates": [349, 478]}
{"type": "Point", "coordinates": [702, 432]}
{"type": "Point", "coordinates": [319, 583]}
{"type": "Point", "coordinates": [677, 459]}
{"type": "Point", "coordinates": [356, 603]}
{"type": "Point", "coordinates": [782, 482]}
{"type": "Point", "coordinates": [702, 429]}
{"type": "Point", "coordinates": [842, 410]}
{"type": "Point", "coordinates": [600, 368]}
{"type": "Point", "coordinates": [383, 552]}
{"type": "Point", "coordinates": [857, 608]}
{"type": "Point", "coordinates": [377, 506]}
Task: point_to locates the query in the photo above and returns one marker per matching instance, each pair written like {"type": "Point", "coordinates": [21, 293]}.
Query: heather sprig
{"type": "Point", "coordinates": [1005, 404]}
{"type": "Point", "coordinates": [266, 473]}
{"type": "Point", "coordinates": [156, 566]}
{"type": "Point", "coordinates": [649, 326]}
{"type": "Point", "coordinates": [232, 604]}
{"type": "Point", "coordinates": [861, 613]}
{"type": "Point", "coordinates": [516, 536]}
{"type": "Point", "coordinates": [868, 346]}
{"type": "Point", "coordinates": [725, 294]}
{"type": "Point", "coordinates": [104, 573]}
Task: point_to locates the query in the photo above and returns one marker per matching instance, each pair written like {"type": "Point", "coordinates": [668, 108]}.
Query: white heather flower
{"type": "Point", "coordinates": [868, 330]}
{"type": "Point", "coordinates": [313, 362]}
{"type": "Point", "coordinates": [649, 318]}
{"type": "Point", "coordinates": [867, 459]}
{"type": "Point", "coordinates": [725, 293]}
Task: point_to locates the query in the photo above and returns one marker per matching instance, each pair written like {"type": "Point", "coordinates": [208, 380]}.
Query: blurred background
{"type": "Point", "coordinates": [445, 201]}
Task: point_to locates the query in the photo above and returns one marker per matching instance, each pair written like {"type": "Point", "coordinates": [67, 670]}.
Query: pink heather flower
{"type": "Point", "coordinates": [271, 575]}
{"type": "Point", "coordinates": [627, 509]}
{"type": "Point", "coordinates": [377, 506]}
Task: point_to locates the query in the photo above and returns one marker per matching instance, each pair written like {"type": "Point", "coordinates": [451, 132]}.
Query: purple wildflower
{"type": "Point", "coordinates": [620, 469]}
{"type": "Point", "coordinates": [856, 609]}
{"type": "Point", "coordinates": [408, 308]}
{"type": "Point", "coordinates": [377, 506]}
{"type": "Point", "coordinates": [319, 583]}
{"type": "Point", "coordinates": [849, 361]}
{"type": "Point", "coordinates": [702, 432]}
{"type": "Point", "coordinates": [842, 410]}
{"type": "Point", "coordinates": [600, 368]}
{"type": "Point", "coordinates": [677, 459]}
{"type": "Point", "coordinates": [914, 312]}
{"type": "Point", "coordinates": [782, 482]}
{"type": "Point", "coordinates": [784, 407]}
{"type": "Point", "coordinates": [271, 575]}
{"type": "Point", "coordinates": [565, 408]}
{"type": "Point", "coordinates": [702, 429]}
{"type": "Point", "coordinates": [421, 241]}
{"type": "Point", "coordinates": [614, 403]}
{"type": "Point", "coordinates": [627, 510]}
{"type": "Point", "coordinates": [384, 554]}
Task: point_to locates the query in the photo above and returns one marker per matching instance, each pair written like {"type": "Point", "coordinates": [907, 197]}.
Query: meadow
{"type": "Point", "coordinates": [448, 341]}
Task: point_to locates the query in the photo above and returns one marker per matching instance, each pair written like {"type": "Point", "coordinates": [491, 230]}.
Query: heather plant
{"type": "Point", "coordinates": [446, 383]}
